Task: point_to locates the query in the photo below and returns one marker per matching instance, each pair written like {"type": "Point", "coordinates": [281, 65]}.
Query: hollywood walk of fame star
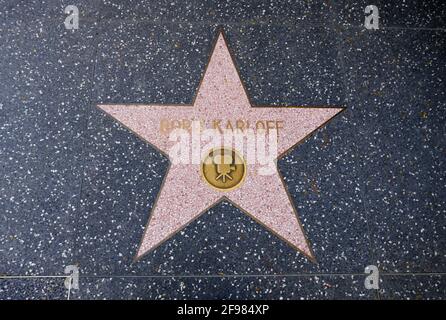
{"type": "Point", "coordinates": [185, 194]}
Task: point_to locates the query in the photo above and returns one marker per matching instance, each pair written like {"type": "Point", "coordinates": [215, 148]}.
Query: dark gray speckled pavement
{"type": "Point", "coordinates": [77, 188]}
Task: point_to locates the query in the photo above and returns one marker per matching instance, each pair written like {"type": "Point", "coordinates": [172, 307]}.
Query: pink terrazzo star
{"type": "Point", "coordinates": [185, 195]}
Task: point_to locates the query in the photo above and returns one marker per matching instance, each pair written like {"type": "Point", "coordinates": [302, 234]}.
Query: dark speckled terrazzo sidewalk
{"type": "Point", "coordinates": [76, 187]}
